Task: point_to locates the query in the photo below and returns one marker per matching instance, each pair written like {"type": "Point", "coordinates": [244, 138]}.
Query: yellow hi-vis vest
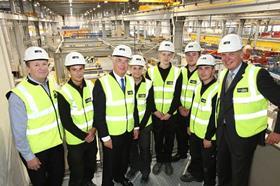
{"type": "Point", "coordinates": [81, 109]}
{"type": "Point", "coordinates": [188, 87]}
{"type": "Point", "coordinates": [164, 90]}
{"type": "Point", "coordinates": [119, 105]}
{"type": "Point", "coordinates": [141, 96]}
{"type": "Point", "coordinates": [43, 124]}
{"type": "Point", "coordinates": [249, 105]}
{"type": "Point", "coordinates": [202, 109]}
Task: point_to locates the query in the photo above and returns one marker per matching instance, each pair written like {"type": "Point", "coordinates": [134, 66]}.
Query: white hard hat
{"type": "Point", "coordinates": [192, 47]}
{"type": "Point", "coordinates": [230, 43]}
{"type": "Point", "coordinates": [166, 46]}
{"type": "Point", "coordinates": [137, 60]}
{"type": "Point", "coordinates": [35, 53]}
{"type": "Point", "coordinates": [123, 51]}
{"type": "Point", "coordinates": [206, 59]}
{"type": "Point", "coordinates": [74, 58]}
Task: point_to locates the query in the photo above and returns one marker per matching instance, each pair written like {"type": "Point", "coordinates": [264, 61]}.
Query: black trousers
{"type": "Point", "coordinates": [164, 132]}
{"type": "Point", "coordinates": [181, 134]}
{"type": "Point", "coordinates": [82, 163]}
{"type": "Point", "coordinates": [51, 171]}
{"type": "Point", "coordinates": [203, 161]}
{"type": "Point", "coordinates": [140, 154]}
{"type": "Point", "coordinates": [234, 157]}
{"type": "Point", "coordinates": [115, 160]}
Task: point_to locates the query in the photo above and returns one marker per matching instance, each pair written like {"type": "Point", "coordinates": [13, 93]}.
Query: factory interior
{"type": "Point", "coordinates": [95, 27]}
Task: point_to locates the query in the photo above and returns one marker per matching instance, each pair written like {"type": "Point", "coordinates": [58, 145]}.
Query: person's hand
{"type": "Point", "coordinates": [90, 135]}
{"type": "Point", "coordinates": [207, 144]}
{"type": "Point", "coordinates": [166, 117]}
{"type": "Point", "coordinates": [189, 131]}
{"type": "Point", "coordinates": [34, 164]}
{"type": "Point", "coordinates": [136, 134]}
{"type": "Point", "coordinates": [108, 144]}
{"type": "Point", "coordinates": [183, 111]}
{"type": "Point", "coordinates": [273, 138]}
{"type": "Point", "coordinates": [158, 114]}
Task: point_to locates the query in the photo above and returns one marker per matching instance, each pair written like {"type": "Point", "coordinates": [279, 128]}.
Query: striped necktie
{"type": "Point", "coordinates": [229, 79]}
{"type": "Point", "coordinates": [122, 84]}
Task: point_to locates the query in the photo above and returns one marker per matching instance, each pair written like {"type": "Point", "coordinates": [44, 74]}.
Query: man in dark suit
{"type": "Point", "coordinates": [116, 117]}
{"type": "Point", "coordinates": [243, 95]}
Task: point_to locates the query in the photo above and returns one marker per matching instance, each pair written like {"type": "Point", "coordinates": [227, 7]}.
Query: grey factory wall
{"type": "Point", "coordinates": [12, 172]}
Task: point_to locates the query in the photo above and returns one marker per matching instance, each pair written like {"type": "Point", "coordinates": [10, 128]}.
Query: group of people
{"type": "Point", "coordinates": [219, 120]}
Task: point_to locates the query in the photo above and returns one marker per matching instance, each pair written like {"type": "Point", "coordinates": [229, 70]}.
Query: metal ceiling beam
{"type": "Point", "coordinates": [252, 10]}
{"type": "Point", "coordinates": [258, 6]}
{"type": "Point", "coordinates": [85, 1]}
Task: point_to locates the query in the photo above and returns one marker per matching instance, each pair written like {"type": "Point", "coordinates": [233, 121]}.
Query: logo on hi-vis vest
{"type": "Point", "coordinates": [242, 90]}
{"type": "Point", "coordinates": [169, 82]}
{"type": "Point", "coordinates": [88, 100]}
{"type": "Point", "coordinates": [203, 100]}
{"type": "Point", "coordinates": [130, 92]}
{"type": "Point", "coordinates": [193, 81]}
{"type": "Point", "coordinates": [141, 95]}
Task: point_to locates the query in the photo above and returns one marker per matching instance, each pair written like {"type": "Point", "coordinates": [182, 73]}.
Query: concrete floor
{"type": "Point", "coordinates": [160, 180]}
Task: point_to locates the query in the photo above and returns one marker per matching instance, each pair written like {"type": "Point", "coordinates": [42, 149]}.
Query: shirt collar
{"type": "Point", "coordinates": [37, 82]}
{"type": "Point", "coordinates": [235, 71]}
{"type": "Point", "coordinates": [117, 76]}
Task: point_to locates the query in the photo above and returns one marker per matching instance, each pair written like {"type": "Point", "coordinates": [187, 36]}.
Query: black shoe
{"type": "Point", "coordinates": [189, 178]}
{"type": "Point", "coordinates": [131, 174]}
{"type": "Point", "coordinates": [168, 169]}
{"type": "Point", "coordinates": [177, 157]}
{"type": "Point", "coordinates": [144, 179]}
{"type": "Point", "coordinates": [90, 183]}
{"type": "Point", "coordinates": [125, 182]}
{"type": "Point", "coordinates": [157, 168]}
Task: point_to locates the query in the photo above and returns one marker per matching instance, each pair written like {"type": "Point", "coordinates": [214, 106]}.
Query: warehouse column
{"type": "Point", "coordinates": [119, 28]}
{"type": "Point", "coordinates": [138, 30]}
{"type": "Point", "coordinates": [145, 27]}
{"type": "Point", "coordinates": [241, 26]}
{"type": "Point", "coordinates": [96, 26]}
{"type": "Point", "coordinates": [257, 33]}
{"type": "Point", "coordinates": [158, 29]}
{"type": "Point", "coordinates": [113, 28]}
{"type": "Point", "coordinates": [224, 27]}
{"type": "Point", "coordinates": [12, 6]}
{"type": "Point", "coordinates": [12, 170]}
{"type": "Point", "coordinates": [54, 27]}
{"type": "Point", "coordinates": [90, 25]}
{"type": "Point", "coordinates": [103, 29]}
{"type": "Point", "coordinates": [20, 47]}
{"type": "Point", "coordinates": [126, 28]}
{"type": "Point", "coordinates": [266, 26]}
{"type": "Point", "coordinates": [21, 6]}
{"type": "Point", "coordinates": [178, 34]}
{"type": "Point", "coordinates": [36, 24]}
{"type": "Point", "coordinates": [199, 25]}
{"type": "Point", "coordinates": [171, 26]}
{"type": "Point", "coordinates": [99, 28]}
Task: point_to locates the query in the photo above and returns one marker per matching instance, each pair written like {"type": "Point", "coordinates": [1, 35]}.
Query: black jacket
{"type": "Point", "coordinates": [265, 84]}
{"type": "Point", "coordinates": [99, 104]}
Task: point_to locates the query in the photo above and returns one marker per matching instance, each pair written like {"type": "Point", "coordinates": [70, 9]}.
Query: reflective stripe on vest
{"type": "Point", "coordinates": [202, 109]}
{"type": "Point", "coordinates": [119, 105]}
{"type": "Point", "coordinates": [188, 87]}
{"type": "Point", "coordinates": [250, 107]}
{"type": "Point", "coordinates": [164, 91]}
{"type": "Point", "coordinates": [81, 109]}
{"type": "Point", "coordinates": [141, 96]}
{"type": "Point", "coordinates": [42, 125]}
